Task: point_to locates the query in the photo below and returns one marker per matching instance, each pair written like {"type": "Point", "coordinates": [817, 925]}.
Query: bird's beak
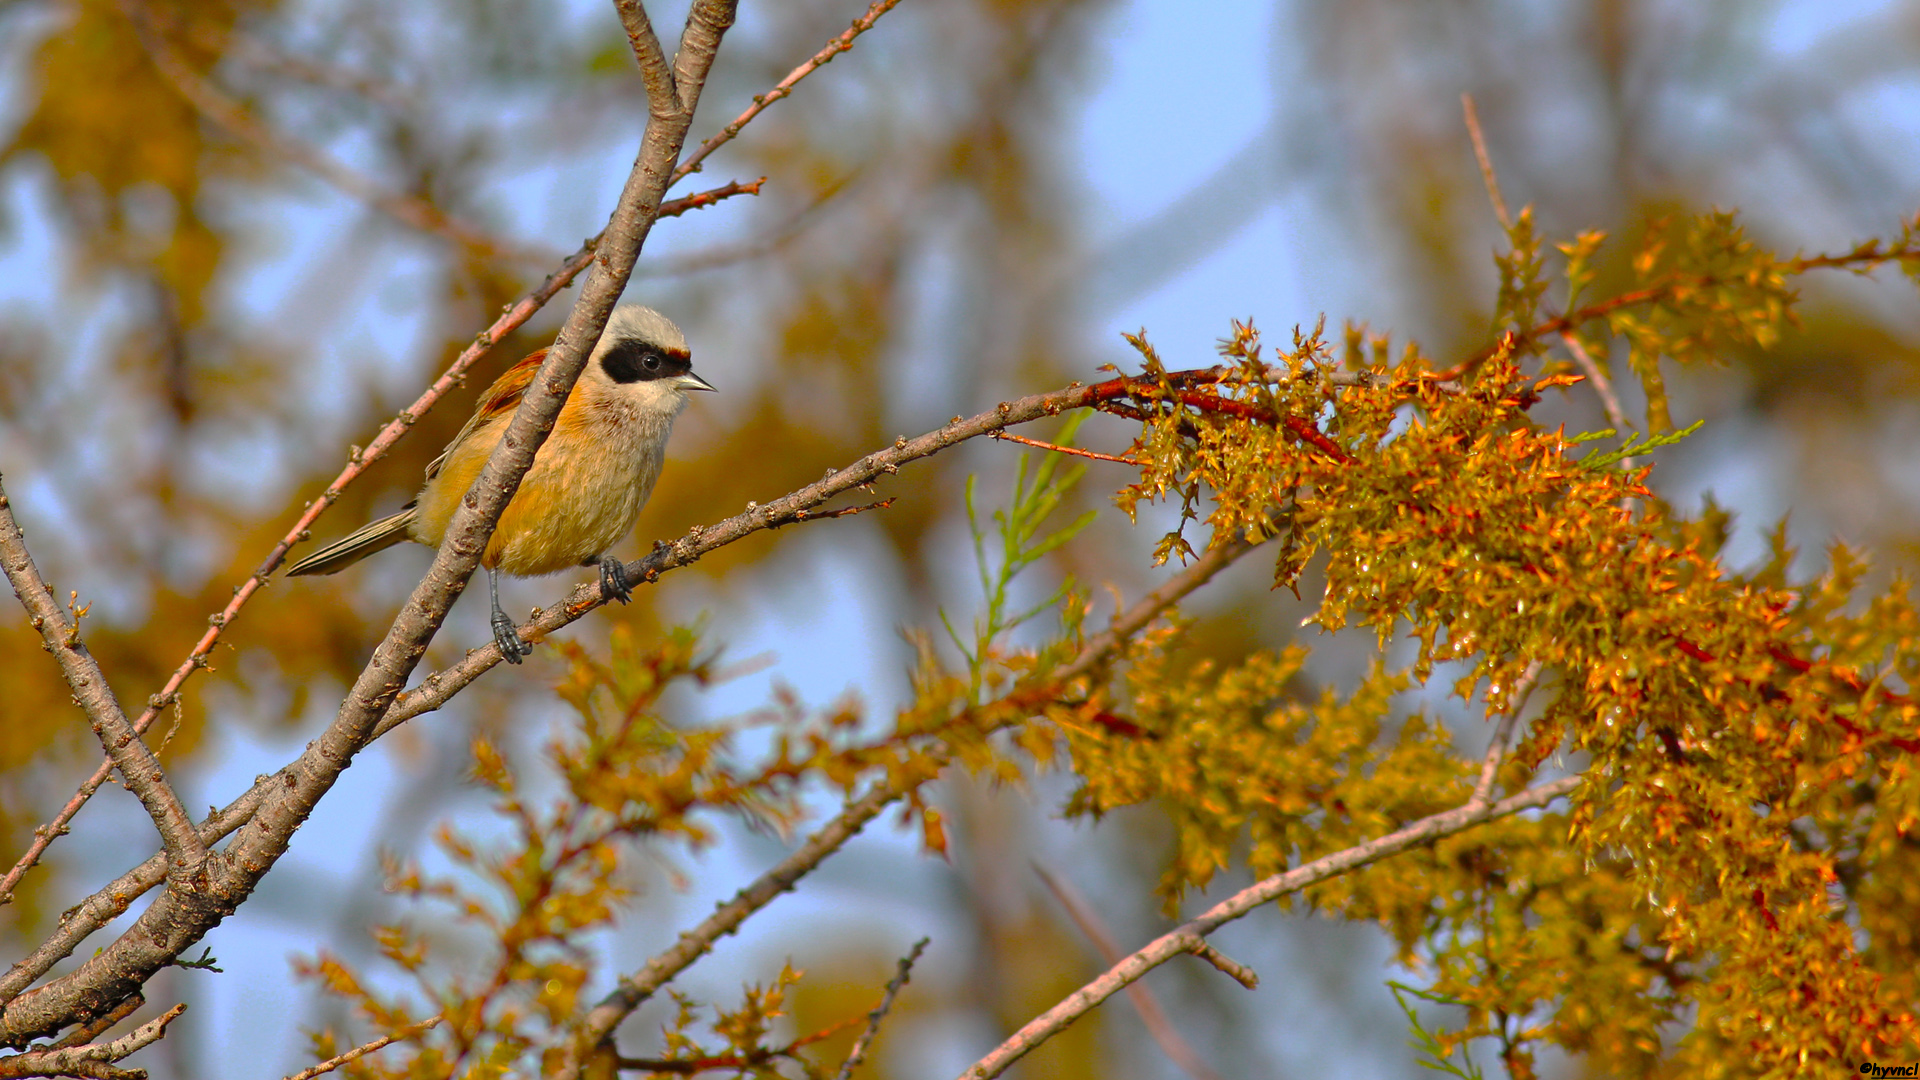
{"type": "Point", "coordinates": [690, 381]}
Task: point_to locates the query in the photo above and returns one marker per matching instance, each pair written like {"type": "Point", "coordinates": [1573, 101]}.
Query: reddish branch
{"type": "Point", "coordinates": [1866, 256]}
{"type": "Point", "coordinates": [1801, 666]}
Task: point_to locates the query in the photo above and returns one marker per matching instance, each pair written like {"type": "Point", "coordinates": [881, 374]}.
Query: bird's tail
{"type": "Point", "coordinates": [356, 545]}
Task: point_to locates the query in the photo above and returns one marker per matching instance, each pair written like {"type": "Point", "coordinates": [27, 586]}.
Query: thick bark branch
{"type": "Point", "coordinates": [94, 1060]}
{"type": "Point", "coordinates": [510, 320]}
{"type": "Point", "coordinates": [170, 925]}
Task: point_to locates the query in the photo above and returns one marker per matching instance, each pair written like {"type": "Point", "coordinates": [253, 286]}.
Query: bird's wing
{"type": "Point", "coordinates": [500, 400]}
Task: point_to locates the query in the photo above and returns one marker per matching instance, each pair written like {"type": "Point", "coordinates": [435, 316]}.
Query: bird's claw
{"type": "Point", "coordinates": [613, 580]}
{"type": "Point", "coordinates": [506, 636]}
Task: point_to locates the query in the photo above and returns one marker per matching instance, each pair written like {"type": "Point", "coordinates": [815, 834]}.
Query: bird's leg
{"type": "Point", "coordinates": [504, 635]}
{"type": "Point", "coordinates": [613, 580]}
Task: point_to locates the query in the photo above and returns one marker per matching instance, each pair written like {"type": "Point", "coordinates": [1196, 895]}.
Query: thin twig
{"type": "Point", "coordinates": [1232, 968]}
{"type": "Point", "coordinates": [704, 199]}
{"type": "Point", "coordinates": [364, 1049]}
{"type": "Point", "coordinates": [859, 1052]}
{"type": "Point", "coordinates": [691, 163]}
{"type": "Point", "coordinates": [1601, 384]}
{"type": "Point", "coordinates": [60, 636]}
{"type": "Point", "coordinates": [1184, 939]}
{"type": "Point", "coordinates": [1074, 450]}
{"type": "Point", "coordinates": [1486, 163]}
{"type": "Point", "coordinates": [1172, 1043]}
{"type": "Point", "coordinates": [1503, 735]}
{"type": "Point", "coordinates": [93, 1059]}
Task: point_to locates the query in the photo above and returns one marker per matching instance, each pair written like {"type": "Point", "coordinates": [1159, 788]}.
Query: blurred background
{"type": "Point", "coordinates": [214, 279]}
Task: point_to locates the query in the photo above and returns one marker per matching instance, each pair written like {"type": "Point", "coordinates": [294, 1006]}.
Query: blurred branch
{"type": "Point", "coordinates": [60, 636]}
{"type": "Point", "coordinates": [1172, 1043]}
{"type": "Point", "coordinates": [1601, 384]}
{"type": "Point", "coordinates": [879, 1013]}
{"type": "Point", "coordinates": [222, 110]}
{"type": "Point", "coordinates": [842, 43]}
{"type": "Point", "coordinates": [1192, 936]}
{"type": "Point", "coordinates": [1503, 735]}
{"type": "Point", "coordinates": [1486, 163]}
{"type": "Point", "coordinates": [94, 1059]}
{"type": "Point", "coordinates": [171, 924]}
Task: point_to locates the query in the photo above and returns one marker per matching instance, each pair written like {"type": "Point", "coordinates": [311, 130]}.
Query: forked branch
{"type": "Point", "coordinates": [1192, 936]}
{"type": "Point", "coordinates": [60, 635]}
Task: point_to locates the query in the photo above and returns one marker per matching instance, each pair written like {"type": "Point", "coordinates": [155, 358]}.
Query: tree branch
{"type": "Point", "coordinates": [170, 924]}
{"type": "Point", "coordinates": [663, 93]}
{"type": "Point", "coordinates": [691, 164]}
{"type": "Point", "coordinates": [1192, 935]}
{"type": "Point", "coordinates": [358, 1052]}
{"type": "Point", "coordinates": [1503, 735]}
{"type": "Point", "coordinates": [515, 316]}
{"type": "Point", "coordinates": [437, 688]}
{"type": "Point", "coordinates": [1172, 1043]}
{"type": "Point", "coordinates": [61, 637]}
{"type": "Point", "coordinates": [223, 111]}
{"type": "Point", "coordinates": [859, 1051]}
{"type": "Point", "coordinates": [94, 1060]}
{"type": "Point", "coordinates": [1094, 654]}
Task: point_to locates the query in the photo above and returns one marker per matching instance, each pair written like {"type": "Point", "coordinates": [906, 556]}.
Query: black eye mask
{"type": "Point", "coordinates": [635, 361]}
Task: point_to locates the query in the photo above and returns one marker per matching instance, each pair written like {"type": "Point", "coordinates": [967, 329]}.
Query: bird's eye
{"type": "Point", "coordinates": [652, 360]}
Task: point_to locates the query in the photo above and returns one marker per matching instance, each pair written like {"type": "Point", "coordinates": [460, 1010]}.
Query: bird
{"type": "Point", "coordinates": [587, 483]}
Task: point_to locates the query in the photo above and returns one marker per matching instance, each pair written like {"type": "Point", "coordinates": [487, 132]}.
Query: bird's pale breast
{"type": "Point", "coordinates": [582, 495]}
